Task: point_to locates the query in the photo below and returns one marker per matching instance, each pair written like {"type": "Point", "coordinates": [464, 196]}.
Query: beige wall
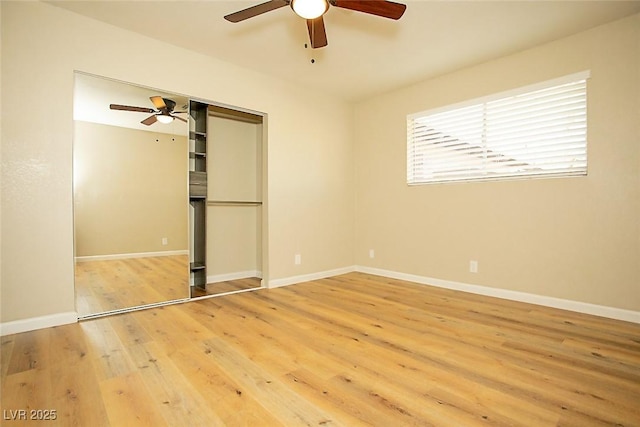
{"type": "Point", "coordinates": [310, 181]}
{"type": "Point", "coordinates": [234, 170]}
{"type": "Point", "coordinates": [571, 238]}
{"type": "Point", "coordinates": [130, 190]}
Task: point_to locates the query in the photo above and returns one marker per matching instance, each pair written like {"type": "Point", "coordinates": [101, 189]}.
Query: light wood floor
{"type": "Point", "coordinates": [227, 286]}
{"type": "Point", "coordinates": [350, 350]}
{"type": "Point", "coordinates": [103, 286]}
{"type": "Point", "coordinates": [115, 284]}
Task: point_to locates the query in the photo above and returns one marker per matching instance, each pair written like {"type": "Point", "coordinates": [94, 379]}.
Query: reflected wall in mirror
{"type": "Point", "coordinates": [130, 197]}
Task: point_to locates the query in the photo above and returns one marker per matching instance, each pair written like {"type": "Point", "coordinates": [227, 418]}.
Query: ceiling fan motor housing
{"type": "Point", "coordinates": [170, 104]}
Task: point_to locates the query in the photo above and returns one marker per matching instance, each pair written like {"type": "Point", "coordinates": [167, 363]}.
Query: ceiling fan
{"type": "Point", "coordinates": [164, 110]}
{"type": "Point", "coordinates": [313, 10]}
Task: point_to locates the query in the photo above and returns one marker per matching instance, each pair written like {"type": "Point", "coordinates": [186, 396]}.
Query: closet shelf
{"type": "Point", "coordinates": [198, 191]}
{"type": "Point", "coordinates": [196, 266]}
{"type": "Point", "coordinates": [195, 134]}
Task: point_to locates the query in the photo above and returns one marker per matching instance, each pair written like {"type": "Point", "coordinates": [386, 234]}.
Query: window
{"type": "Point", "coordinates": [536, 131]}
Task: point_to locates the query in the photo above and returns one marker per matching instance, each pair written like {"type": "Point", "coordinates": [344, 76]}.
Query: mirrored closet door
{"type": "Point", "coordinates": [131, 199]}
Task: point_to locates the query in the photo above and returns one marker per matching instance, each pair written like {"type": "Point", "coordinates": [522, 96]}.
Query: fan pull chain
{"type": "Point", "coordinates": [306, 46]}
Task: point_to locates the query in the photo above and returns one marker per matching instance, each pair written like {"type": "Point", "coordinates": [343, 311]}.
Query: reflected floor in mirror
{"type": "Point", "coordinates": [115, 284]}
{"type": "Point", "coordinates": [227, 286]}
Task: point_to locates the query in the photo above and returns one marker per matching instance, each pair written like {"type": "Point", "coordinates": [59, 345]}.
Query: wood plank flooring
{"type": "Point", "coordinates": [103, 286]}
{"type": "Point", "coordinates": [351, 350]}
{"type": "Point", "coordinates": [227, 286]}
{"type": "Point", "coordinates": [122, 283]}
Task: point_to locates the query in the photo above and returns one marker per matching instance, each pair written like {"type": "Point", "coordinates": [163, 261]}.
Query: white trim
{"type": "Point", "coordinates": [41, 322]}
{"type": "Point", "coordinates": [25, 325]}
{"type": "Point", "coordinates": [234, 276]}
{"type": "Point", "coordinates": [286, 281]}
{"type": "Point", "coordinates": [132, 255]}
{"type": "Point", "coordinates": [577, 306]}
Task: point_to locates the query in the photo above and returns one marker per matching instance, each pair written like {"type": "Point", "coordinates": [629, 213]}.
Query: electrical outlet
{"type": "Point", "coordinates": [165, 241]}
{"type": "Point", "coordinates": [297, 259]}
{"type": "Point", "coordinates": [473, 266]}
{"type": "Point", "coordinates": [372, 253]}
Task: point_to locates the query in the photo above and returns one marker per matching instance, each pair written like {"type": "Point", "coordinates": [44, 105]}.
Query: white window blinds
{"type": "Point", "coordinates": [531, 132]}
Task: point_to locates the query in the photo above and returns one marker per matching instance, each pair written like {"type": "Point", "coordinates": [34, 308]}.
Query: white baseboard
{"type": "Point", "coordinates": [276, 283]}
{"type": "Point", "coordinates": [234, 276]}
{"type": "Point", "coordinates": [132, 255]}
{"type": "Point", "coordinates": [577, 306]}
{"type": "Point", "coordinates": [25, 325]}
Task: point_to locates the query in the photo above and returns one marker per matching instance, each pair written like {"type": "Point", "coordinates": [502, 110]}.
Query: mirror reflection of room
{"type": "Point", "coordinates": [130, 196]}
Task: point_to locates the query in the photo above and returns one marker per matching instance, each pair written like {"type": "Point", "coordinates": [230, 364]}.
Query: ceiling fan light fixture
{"type": "Point", "coordinates": [310, 9]}
{"type": "Point", "coordinates": [164, 118]}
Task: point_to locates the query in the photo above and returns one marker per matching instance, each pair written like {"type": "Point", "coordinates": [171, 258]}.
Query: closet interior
{"type": "Point", "coordinates": [226, 199]}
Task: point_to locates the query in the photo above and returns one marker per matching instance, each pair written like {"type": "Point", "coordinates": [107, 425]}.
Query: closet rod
{"type": "Point", "coordinates": [231, 203]}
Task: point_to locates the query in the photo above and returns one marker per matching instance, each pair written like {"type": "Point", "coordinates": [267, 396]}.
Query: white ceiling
{"type": "Point", "coordinates": [366, 54]}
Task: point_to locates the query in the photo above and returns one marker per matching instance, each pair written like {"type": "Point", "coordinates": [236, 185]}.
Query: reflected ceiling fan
{"type": "Point", "coordinates": [164, 110]}
{"type": "Point", "coordinates": [313, 10]}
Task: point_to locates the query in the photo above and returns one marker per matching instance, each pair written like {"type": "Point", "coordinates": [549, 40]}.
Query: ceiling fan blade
{"type": "Point", "coordinates": [158, 102]}
{"type": "Point", "coordinates": [317, 33]}
{"type": "Point", "coordinates": [179, 118]}
{"type": "Point", "coordinates": [256, 10]}
{"type": "Point", "coordinates": [384, 8]}
{"type": "Point", "coordinates": [129, 108]}
{"type": "Point", "coordinates": [149, 120]}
